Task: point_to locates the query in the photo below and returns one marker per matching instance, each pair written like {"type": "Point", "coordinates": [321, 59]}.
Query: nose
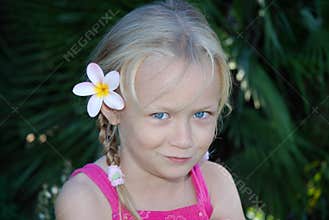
{"type": "Point", "coordinates": [182, 135]}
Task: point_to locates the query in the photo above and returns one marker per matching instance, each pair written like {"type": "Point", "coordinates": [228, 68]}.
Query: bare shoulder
{"type": "Point", "coordinates": [80, 199]}
{"type": "Point", "coordinates": [223, 192]}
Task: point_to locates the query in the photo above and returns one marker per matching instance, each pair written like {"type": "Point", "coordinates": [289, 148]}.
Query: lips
{"type": "Point", "coordinates": [179, 159]}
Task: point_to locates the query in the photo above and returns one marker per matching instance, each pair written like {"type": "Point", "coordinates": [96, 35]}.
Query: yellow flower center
{"type": "Point", "coordinates": [102, 90]}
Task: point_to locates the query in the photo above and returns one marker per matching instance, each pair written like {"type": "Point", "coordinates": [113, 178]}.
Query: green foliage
{"type": "Point", "coordinates": [9, 210]}
{"type": "Point", "coordinates": [278, 130]}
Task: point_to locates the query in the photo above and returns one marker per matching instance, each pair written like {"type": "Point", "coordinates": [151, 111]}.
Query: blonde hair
{"type": "Point", "coordinates": [171, 28]}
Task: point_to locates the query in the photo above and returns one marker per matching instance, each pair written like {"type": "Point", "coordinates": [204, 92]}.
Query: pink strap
{"type": "Point", "coordinates": [201, 189]}
{"type": "Point", "coordinates": [97, 175]}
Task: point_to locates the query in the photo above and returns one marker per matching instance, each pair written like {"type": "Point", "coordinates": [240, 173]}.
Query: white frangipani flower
{"type": "Point", "coordinates": [101, 89]}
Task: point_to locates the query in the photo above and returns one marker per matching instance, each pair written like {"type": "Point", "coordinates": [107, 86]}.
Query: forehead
{"type": "Point", "coordinates": [173, 83]}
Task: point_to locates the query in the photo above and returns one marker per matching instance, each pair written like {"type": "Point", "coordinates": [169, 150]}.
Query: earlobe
{"type": "Point", "coordinates": [113, 116]}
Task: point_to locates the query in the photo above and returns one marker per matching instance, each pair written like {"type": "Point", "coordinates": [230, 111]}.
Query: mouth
{"type": "Point", "coordinates": [179, 159]}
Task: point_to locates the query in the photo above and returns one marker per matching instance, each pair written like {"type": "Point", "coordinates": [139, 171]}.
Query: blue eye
{"type": "Point", "coordinates": [159, 115]}
{"type": "Point", "coordinates": [200, 115]}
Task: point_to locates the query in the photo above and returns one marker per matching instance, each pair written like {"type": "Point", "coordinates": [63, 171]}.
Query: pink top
{"type": "Point", "coordinates": [202, 210]}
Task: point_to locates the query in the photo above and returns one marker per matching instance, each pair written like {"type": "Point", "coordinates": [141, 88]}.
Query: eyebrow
{"type": "Point", "coordinates": [207, 107]}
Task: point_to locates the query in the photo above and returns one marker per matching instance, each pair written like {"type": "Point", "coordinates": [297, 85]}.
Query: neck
{"type": "Point", "coordinates": [149, 191]}
{"type": "Point", "coordinates": [139, 179]}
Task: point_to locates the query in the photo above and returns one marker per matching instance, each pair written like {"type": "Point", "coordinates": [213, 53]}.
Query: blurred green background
{"type": "Point", "coordinates": [275, 142]}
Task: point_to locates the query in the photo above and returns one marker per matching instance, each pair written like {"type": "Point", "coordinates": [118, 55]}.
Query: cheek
{"type": "Point", "coordinates": [151, 137]}
{"type": "Point", "coordinates": [142, 134]}
{"type": "Point", "coordinates": [204, 135]}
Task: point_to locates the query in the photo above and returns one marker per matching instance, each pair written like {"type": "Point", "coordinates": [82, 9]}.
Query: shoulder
{"type": "Point", "coordinates": [223, 192]}
{"type": "Point", "coordinates": [80, 199]}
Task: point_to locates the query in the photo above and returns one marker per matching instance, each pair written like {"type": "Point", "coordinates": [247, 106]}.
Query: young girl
{"type": "Point", "coordinates": [165, 86]}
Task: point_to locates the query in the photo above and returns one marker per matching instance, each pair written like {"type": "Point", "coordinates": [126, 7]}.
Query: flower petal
{"type": "Point", "coordinates": [114, 100]}
{"type": "Point", "coordinates": [112, 79]}
{"type": "Point", "coordinates": [94, 105]}
{"type": "Point", "coordinates": [95, 73]}
{"type": "Point", "coordinates": [84, 89]}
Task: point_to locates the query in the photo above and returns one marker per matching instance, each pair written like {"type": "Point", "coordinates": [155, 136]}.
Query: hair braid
{"type": "Point", "coordinates": [107, 136]}
{"type": "Point", "coordinates": [108, 139]}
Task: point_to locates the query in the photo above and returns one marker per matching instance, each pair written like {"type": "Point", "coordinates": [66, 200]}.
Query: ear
{"type": "Point", "coordinates": [112, 116]}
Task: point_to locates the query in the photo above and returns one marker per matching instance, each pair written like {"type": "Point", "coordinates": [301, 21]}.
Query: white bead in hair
{"type": "Point", "coordinates": [115, 175]}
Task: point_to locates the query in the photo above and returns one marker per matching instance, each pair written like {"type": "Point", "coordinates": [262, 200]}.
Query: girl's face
{"type": "Point", "coordinates": [160, 127]}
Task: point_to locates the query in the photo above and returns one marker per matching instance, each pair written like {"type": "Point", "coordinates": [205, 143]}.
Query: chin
{"type": "Point", "coordinates": [176, 172]}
